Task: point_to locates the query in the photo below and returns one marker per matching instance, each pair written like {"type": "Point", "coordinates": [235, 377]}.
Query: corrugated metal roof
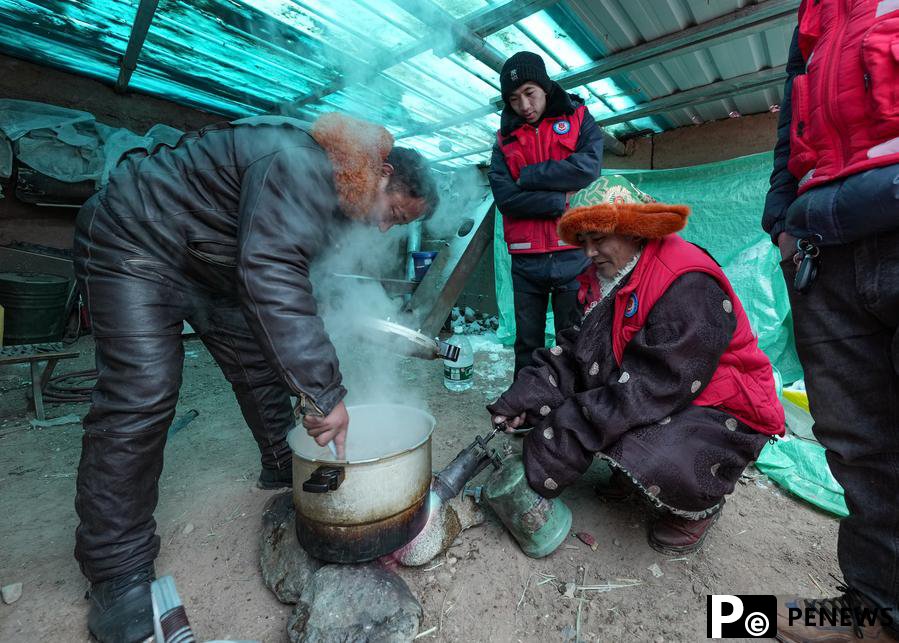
{"type": "Point", "coordinates": [387, 61]}
{"type": "Point", "coordinates": [622, 24]}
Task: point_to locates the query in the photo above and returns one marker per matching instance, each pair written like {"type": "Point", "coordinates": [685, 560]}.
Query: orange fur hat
{"type": "Point", "coordinates": [357, 149]}
{"type": "Point", "coordinates": [614, 205]}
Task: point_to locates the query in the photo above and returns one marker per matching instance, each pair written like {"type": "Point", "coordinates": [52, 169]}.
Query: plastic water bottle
{"type": "Point", "coordinates": [457, 376]}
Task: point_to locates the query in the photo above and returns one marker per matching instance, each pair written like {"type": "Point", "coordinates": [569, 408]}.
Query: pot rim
{"type": "Point", "coordinates": [431, 419]}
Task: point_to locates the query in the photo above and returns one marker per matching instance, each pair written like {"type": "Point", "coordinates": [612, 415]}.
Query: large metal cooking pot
{"type": "Point", "coordinates": [376, 500]}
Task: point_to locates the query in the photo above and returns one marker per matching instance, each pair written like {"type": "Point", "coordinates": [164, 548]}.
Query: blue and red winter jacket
{"type": "Point", "coordinates": [533, 168]}
{"type": "Point", "coordinates": [836, 168]}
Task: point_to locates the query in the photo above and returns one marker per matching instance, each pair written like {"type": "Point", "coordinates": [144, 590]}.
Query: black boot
{"type": "Point", "coordinates": [121, 608]}
{"type": "Point", "coordinates": [275, 478]}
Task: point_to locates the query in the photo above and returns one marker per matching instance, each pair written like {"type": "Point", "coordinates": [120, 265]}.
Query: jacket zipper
{"type": "Point", "coordinates": [547, 238]}
{"type": "Point", "coordinates": [306, 402]}
{"type": "Point", "coordinates": [836, 132]}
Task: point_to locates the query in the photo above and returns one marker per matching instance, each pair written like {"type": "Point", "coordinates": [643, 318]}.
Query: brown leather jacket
{"type": "Point", "coordinates": [241, 209]}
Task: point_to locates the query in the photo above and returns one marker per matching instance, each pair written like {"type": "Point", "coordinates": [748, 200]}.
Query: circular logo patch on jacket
{"type": "Point", "coordinates": [632, 306]}
{"type": "Point", "coordinates": [561, 127]}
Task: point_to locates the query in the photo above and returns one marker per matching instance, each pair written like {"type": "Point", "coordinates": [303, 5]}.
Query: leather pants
{"type": "Point", "coordinates": [137, 305]}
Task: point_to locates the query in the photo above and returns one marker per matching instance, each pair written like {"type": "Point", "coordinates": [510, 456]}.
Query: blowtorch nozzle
{"type": "Point", "coordinates": [470, 461]}
{"type": "Point", "coordinates": [497, 428]}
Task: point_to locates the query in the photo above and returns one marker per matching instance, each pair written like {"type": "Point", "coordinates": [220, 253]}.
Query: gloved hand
{"type": "Point", "coordinates": [786, 243]}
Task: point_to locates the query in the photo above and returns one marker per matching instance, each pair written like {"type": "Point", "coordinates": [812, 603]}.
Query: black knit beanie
{"type": "Point", "coordinates": [521, 68]}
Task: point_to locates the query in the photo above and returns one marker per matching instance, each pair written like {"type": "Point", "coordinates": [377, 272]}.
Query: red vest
{"type": "Point", "coordinates": [845, 108]}
{"type": "Point", "coordinates": [553, 139]}
{"type": "Point", "coordinates": [743, 383]}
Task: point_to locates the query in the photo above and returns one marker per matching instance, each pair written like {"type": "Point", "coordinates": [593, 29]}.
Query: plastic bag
{"type": "Point", "coordinates": [800, 467]}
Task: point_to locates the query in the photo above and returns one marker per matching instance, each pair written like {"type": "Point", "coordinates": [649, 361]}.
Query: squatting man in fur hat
{"type": "Point", "coordinates": [218, 231]}
{"type": "Point", "coordinates": [663, 378]}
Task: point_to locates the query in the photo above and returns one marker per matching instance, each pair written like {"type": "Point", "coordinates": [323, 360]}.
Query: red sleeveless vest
{"type": "Point", "coordinates": [743, 383]}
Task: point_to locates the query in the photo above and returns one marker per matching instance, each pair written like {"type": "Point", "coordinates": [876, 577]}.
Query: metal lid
{"type": "Point", "coordinates": [401, 339]}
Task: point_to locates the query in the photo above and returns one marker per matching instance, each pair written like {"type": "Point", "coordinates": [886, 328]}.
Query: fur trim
{"type": "Point", "coordinates": [644, 220]}
{"type": "Point", "coordinates": [357, 149]}
{"type": "Point", "coordinates": [654, 500]}
{"type": "Point", "coordinates": [606, 286]}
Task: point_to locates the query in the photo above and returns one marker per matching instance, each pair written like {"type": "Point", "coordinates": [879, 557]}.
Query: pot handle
{"type": "Point", "coordinates": [324, 479]}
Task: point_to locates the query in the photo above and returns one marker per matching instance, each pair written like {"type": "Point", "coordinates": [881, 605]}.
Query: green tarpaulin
{"type": "Point", "coordinates": [727, 200]}
{"type": "Point", "coordinates": [800, 467]}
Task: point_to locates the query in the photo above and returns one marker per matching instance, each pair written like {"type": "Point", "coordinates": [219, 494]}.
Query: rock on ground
{"type": "Point", "coordinates": [442, 529]}
{"type": "Point", "coordinates": [469, 512]}
{"type": "Point", "coordinates": [11, 593]}
{"type": "Point", "coordinates": [355, 603]}
{"type": "Point", "coordinates": [286, 567]}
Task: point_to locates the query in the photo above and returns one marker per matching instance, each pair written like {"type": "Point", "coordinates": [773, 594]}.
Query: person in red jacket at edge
{"type": "Point", "coordinates": [548, 146]}
{"type": "Point", "coordinates": [833, 210]}
{"type": "Point", "coordinates": [664, 378]}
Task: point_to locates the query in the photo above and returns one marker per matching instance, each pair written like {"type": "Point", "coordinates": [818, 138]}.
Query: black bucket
{"type": "Point", "coordinates": [34, 307]}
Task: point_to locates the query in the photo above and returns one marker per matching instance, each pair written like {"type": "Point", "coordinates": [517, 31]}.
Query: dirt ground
{"type": "Point", "coordinates": [483, 589]}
